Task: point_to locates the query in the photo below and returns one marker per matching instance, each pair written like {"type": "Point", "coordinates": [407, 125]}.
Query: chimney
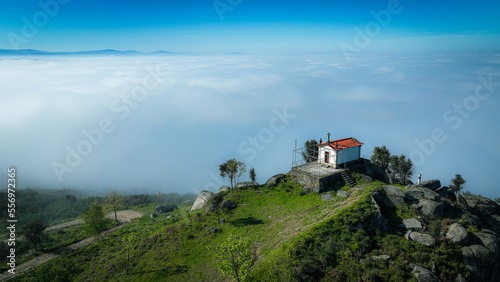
{"type": "Point", "coordinates": [328, 137]}
{"type": "Point", "coordinates": [320, 141]}
{"type": "Point", "coordinates": [336, 145]}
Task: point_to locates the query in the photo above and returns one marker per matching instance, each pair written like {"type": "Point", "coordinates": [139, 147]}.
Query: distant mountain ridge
{"type": "Point", "coordinates": [105, 52]}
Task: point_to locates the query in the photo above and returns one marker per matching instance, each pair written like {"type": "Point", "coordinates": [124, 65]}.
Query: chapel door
{"type": "Point", "coordinates": [327, 157]}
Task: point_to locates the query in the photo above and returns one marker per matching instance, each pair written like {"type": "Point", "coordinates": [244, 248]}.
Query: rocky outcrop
{"type": "Point", "coordinates": [202, 200]}
{"type": "Point", "coordinates": [443, 191]}
{"type": "Point", "coordinates": [394, 196]}
{"type": "Point", "coordinates": [483, 205]}
{"type": "Point", "coordinates": [228, 204]}
{"type": "Point", "coordinates": [276, 179]}
{"type": "Point", "coordinates": [490, 241]}
{"type": "Point", "coordinates": [223, 188]}
{"type": "Point", "coordinates": [412, 224]}
{"type": "Point", "coordinates": [431, 208]}
{"type": "Point", "coordinates": [424, 239]}
{"type": "Point", "coordinates": [418, 193]}
{"type": "Point", "coordinates": [327, 196]}
{"type": "Point", "coordinates": [457, 234]}
{"type": "Point", "coordinates": [477, 259]}
{"type": "Point", "coordinates": [165, 208]}
{"type": "Point", "coordinates": [482, 256]}
{"type": "Point", "coordinates": [342, 193]}
{"type": "Point", "coordinates": [377, 221]}
{"type": "Point", "coordinates": [423, 274]}
{"type": "Point", "coordinates": [245, 184]}
{"type": "Point", "coordinates": [431, 184]}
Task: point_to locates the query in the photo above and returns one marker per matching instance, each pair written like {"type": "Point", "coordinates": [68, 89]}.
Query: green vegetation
{"type": "Point", "coordinates": [252, 174]}
{"type": "Point", "coordinates": [381, 157]}
{"type": "Point", "coordinates": [51, 206]}
{"type": "Point", "coordinates": [95, 223]}
{"type": "Point", "coordinates": [296, 236]}
{"type": "Point", "coordinates": [234, 258]}
{"type": "Point", "coordinates": [232, 169]}
{"type": "Point", "coordinates": [310, 153]}
{"type": "Point", "coordinates": [215, 205]}
{"type": "Point", "coordinates": [115, 202]}
{"type": "Point", "coordinates": [401, 167]}
{"type": "Point", "coordinates": [457, 184]}
{"type": "Point", "coordinates": [33, 231]}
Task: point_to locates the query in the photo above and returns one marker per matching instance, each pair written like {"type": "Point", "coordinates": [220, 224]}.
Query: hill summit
{"type": "Point", "coordinates": [369, 231]}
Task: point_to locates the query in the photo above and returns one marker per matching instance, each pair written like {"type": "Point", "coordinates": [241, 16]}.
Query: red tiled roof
{"type": "Point", "coordinates": [342, 144]}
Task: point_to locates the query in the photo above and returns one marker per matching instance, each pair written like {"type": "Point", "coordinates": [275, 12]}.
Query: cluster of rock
{"type": "Point", "coordinates": [163, 209]}
{"type": "Point", "coordinates": [480, 250]}
{"type": "Point", "coordinates": [205, 195]}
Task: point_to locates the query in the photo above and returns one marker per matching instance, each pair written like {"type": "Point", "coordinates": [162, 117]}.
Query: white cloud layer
{"type": "Point", "coordinates": [175, 118]}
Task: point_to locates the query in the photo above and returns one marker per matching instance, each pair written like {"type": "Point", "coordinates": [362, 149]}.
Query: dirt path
{"type": "Point", "coordinates": [123, 216]}
{"type": "Point", "coordinates": [65, 224]}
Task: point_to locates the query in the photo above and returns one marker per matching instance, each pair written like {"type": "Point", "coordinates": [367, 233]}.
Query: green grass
{"type": "Point", "coordinates": [294, 235]}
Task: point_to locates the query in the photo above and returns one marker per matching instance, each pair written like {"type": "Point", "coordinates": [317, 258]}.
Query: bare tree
{"type": "Point", "coordinates": [115, 201]}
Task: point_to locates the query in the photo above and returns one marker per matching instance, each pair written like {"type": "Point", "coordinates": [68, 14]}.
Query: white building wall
{"type": "Point", "coordinates": [349, 155]}
{"type": "Point", "coordinates": [321, 154]}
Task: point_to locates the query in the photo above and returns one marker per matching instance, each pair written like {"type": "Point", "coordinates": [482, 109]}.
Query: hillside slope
{"type": "Point", "coordinates": [295, 236]}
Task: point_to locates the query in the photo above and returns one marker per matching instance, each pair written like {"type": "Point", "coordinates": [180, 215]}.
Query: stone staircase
{"type": "Point", "coordinates": [347, 178]}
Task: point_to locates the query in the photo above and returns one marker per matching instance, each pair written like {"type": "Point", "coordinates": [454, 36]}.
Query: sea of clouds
{"type": "Point", "coordinates": [164, 123]}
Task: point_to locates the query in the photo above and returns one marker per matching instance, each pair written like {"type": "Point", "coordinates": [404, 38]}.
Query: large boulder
{"type": "Point", "coordinates": [377, 221]}
{"type": "Point", "coordinates": [228, 204]}
{"type": "Point", "coordinates": [457, 234]}
{"type": "Point", "coordinates": [245, 184]}
{"type": "Point", "coordinates": [423, 274]}
{"type": "Point", "coordinates": [202, 200]}
{"type": "Point", "coordinates": [424, 239]}
{"type": "Point", "coordinates": [342, 193]}
{"type": "Point", "coordinates": [482, 205]}
{"type": "Point", "coordinates": [478, 259]}
{"type": "Point", "coordinates": [431, 208]}
{"type": "Point", "coordinates": [393, 191]}
{"type": "Point", "coordinates": [276, 179]}
{"type": "Point", "coordinates": [417, 193]}
{"type": "Point", "coordinates": [223, 188]}
{"type": "Point", "coordinates": [412, 224]}
{"type": "Point", "coordinates": [394, 196]}
{"type": "Point", "coordinates": [443, 191]}
{"type": "Point", "coordinates": [431, 184]}
{"type": "Point", "coordinates": [165, 208]}
{"type": "Point", "coordinates": [327, 196]}
{"type": "Point", "coordinates": [489, 241]}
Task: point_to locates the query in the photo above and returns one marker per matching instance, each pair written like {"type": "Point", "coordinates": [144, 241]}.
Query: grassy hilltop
{"type": "Point", "coordinates": [293, 236]}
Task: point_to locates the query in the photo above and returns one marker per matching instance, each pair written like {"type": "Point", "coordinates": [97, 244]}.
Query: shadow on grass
{"type": "Point", "coordinates": [247, 221]}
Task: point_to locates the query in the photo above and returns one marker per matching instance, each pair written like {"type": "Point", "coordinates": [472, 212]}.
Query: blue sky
{"type": "Point", "coordinates": [431, 71]}
{"type": "Point", "coordinates": [249, 26]}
